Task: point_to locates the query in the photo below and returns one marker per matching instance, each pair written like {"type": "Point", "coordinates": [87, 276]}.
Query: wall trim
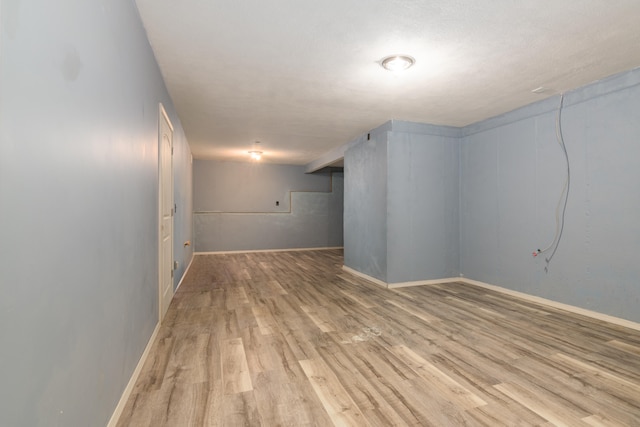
{"type": "Point", "coordinates": [555, 304]}
{"type": "Point", "coordinates": [423, 282]}
{"type": "Point", "coordinates": [365, 276]}
{"type": "Point", "coordinates": [115, 417]}
{"type": "Point", "coordinates": [399, 284]}
{"type": "Point", "coordinates": [186, 270]}
{"type": "Point", "coordinates": [528, 297]}
{"type": "Point", "coordinates": [249, 251]}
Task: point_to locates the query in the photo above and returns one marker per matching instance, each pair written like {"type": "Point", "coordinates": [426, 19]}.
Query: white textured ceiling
{"type": "Point", "coordinates": [304, 77]}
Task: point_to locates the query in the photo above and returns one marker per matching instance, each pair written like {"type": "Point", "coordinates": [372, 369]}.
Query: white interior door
{"type": "Point", "coordinates": [165, 159]}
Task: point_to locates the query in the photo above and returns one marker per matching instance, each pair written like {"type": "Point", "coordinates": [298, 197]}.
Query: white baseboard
{"type": "Point", "coordinates": [115, 417]}
{"type": "Point", "coordinates": [267, 250]}
{"type": "Point", "coordinates": [551, 303]}
{"type": "Point", "coordinates": [398, 284]}
{"type": "Point", "coordinates": [185, 273]}
{"type": "Point", "coordinates": [423, 282]}
{"type": "Point", "coordinates": [365, 276]}
{"type": "Point", "coordinates": [555, 304]}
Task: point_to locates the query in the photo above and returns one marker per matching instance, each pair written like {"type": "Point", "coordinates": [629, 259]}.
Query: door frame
{"type": "Point", "coordinates": [162, 115]}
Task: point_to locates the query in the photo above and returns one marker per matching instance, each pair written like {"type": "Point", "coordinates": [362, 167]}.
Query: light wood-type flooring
{"type": "Point", "coordinates": [289, 339]}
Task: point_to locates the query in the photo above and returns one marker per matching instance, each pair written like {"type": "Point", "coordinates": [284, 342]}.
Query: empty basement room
{"type": "Point", "coordinates": [366, 213]}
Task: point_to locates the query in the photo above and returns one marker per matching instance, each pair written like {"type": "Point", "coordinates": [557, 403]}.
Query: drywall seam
{"type": "Point", "coordinates": [115, 417]}
{"type": "Point", "coordinates": [251, 251]}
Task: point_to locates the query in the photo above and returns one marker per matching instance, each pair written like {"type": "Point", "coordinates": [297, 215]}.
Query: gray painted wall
{"type": "Point", "coordinates": [365, 206]}
{"type": "Point", "coordinates": [512, 172]}
{"type": "Point", "coordinates": [422, 212]}
{"type": "Point", "coordinates": [401, 203]}
{"type": "Point", "coordinates": [235, 207]}
{"type": "Point", "coordinates": [250, 186]}
{"type": "Point", "coordinates": [400, 216]}
{"type": "Point", "coordinates": [78, 200]}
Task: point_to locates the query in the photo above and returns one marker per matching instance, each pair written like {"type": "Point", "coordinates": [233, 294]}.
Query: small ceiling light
{"type": "Point", "coordinates": [255, 153]}
{"type": "Point", "coordinates": [397, 62]}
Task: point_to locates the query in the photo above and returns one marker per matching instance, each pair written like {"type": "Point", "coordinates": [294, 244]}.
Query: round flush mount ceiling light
{"type": "Point", "coordinates": [397, 62]}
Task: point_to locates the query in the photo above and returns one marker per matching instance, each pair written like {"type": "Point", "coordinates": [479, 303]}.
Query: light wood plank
{"type": "Point", "coordinates": [188, 363]}
{"type": "Point", "coordinates": [434, 377]}
{"type": "Point", "coordinates": [239, 296]}
{"type": "Point", "coordinates": [420, 315]}
{"type": "Point", "coordinates": [363, 302]}
{"type": "Point", "coordinates": [472, 306]}
{"type": "Point", "coordinates": [601, 421]}
{"type": "Point", "coordinates": [155, 366]}
{"type": "Point", "coordinates": [265, 321]}
{"type": "Point", "coordinates": [633, 349]}
{"type": "Point", "coordinates": [323, 324]}
{"type": "Point", "coordinates": [276, 287]}
{"type": "Point", "coordinates": [240, 409]}
{"type": "Point", "coordinates": [542, 407]}
{"type": "Point", "coordinates": [235, 370]}
{"type": "Point", "coordinates": [182, 404]}
{"type": "Point", "coordinates": [335, 400]}
{"type": "Point", "coordinates": [597, 371]}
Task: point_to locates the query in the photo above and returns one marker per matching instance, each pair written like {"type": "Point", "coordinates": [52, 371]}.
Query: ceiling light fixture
{"type": "Point", "coordinates": [255, 153]}
{"type": "Point", "coordinates": [397, 62]}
